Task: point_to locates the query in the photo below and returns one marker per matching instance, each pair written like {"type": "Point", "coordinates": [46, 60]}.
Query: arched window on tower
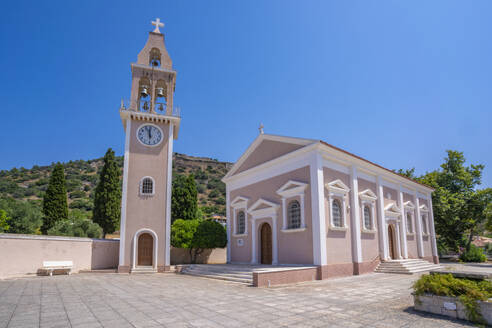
{"type": "Point", "coordinates": [294, 215]}
{"type": "Point", "coordinates": [144, 97]}
{"type": "Point", "coordinates": [160, 97]}
{"type": "Point", "coordinates": [155, 57]}
{"type": "Point", "coordinates": [147, 186]}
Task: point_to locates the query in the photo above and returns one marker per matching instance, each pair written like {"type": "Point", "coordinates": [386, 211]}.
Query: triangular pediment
{"type": "Point", "coordinates": [292, 187]}
{"type": "Point", "coordinates": [392, 209]}
{"type": "Point", "coordinates": [337, 185]}
{"type": "Point", "coordinates": [409, 204]}
{"type": "Point", "coordinates": [261, 204]}
{"type": "Point", "coordinates": [424, 208]}
{"type": "Point", "coordinates": [239, 201]}
{"type": "Point", "coordinates": [368, 194]}
{"type": "Point", "coordinates": [264, 149]}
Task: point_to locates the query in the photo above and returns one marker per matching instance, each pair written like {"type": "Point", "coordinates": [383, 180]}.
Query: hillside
{"type": "Point", "coordinates": [82, 177]}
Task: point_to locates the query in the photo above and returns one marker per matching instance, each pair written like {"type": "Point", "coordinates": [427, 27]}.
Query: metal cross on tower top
{"type": "Point", "coordinates": [157, 24]}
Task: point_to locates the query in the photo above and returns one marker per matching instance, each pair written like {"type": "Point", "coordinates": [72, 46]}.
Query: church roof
{"type": "Point", "coordinates": [236, 168]}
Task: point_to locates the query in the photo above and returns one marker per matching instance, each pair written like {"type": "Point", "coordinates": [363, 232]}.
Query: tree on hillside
{"type": "Point", "coordinates": [197, 236]}
{"type": "Point", "coordinates": [107, 198]}
{"type": "Point", "coordinates": [55, 206]}
{"type": "Point", "coordinates": [77, 225]}
{"type": "Point", "coordinates": [478, 208]}
{"type": "Point", "coordinates": [4, 221]}
{"type": "Point", "coordinates": [25, 216]}
{"type": "Point", "coordinates": [184, 199]}
{"type": "Point", "coordinates": [452, 199]}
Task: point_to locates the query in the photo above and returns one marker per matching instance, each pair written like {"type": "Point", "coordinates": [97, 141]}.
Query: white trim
{"type": "Point", "coordinates": [418, 224]}
{"type": "Point", "coordinates": [228, 225]}
{"type": "Point", "coordinates": [392, 210]}
{"type": "Point", "coordinates": [409, 204]}
{"type": "Point", "coordinates": [293, 230]}
{"type": "Point", "coordinates": [257, 142]}
{"type": "Point", "coordinates": [318, 217]}
{"type": "Point", "coordinates": [245, 211]}
{"type": "Point", "coordinates": [135, 248]}
{"type": "Point", "coordinates": [239, 202]}
{"type": "Point", "coordinates": [124, 195]}
{"type": "Point", "coordinates": [338, 190]}
{"type": "Point", "coordinates": [169, 191]}
{"type": "Point", "coordinates": [335, 165]}
{"type": "Point", "coordinates": [355, 215]}
{"type": "Point", "coordinates": [368, 195]}
{"type": "Point", "coordinates": [254, 218]}
{"type": "Point", "coordinates": [372, 205]}
{"type": "Point", "coordinates": [283, 164]}
{"type": "Point", "coordinates": [424, 208]}
{"type": "Point", "coordinates": [383, 240]}
{"type": "Point", "coordinates": [156, 126]}
{"type": "Point", "coordinates": [403, 230]}
{"type": "Point", "coordinates": [140, 187]}
{"type": "Point", "coordinates": [271, 207]}
{"type": "Point", "coordinates": [286, 193]}
{"type": "Point", "coordinates": [432, 229]}
{"type": "Point", "coordinates": [337, 187]}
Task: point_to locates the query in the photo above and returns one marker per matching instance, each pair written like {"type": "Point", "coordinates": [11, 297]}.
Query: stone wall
{"type": "Point", "coordinates": [209, 256]}
{"type": "Point", "coordinates": [449, 306]}
{"type": "Point", "coordinates": [24, 254]}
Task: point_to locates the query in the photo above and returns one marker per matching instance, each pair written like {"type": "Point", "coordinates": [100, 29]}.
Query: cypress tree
{"type": "Point", "coordinates": [184, 199]}
{"type": "Point", "coordinates": [55, 206]}
{"type": "Point", "coordinates": [107, 198]}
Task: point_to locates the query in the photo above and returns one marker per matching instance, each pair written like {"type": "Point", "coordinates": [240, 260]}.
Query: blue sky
{"type": "Point", "coordinates": [396, 82]}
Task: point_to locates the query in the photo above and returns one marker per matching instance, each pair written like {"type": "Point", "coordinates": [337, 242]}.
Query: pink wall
{"type": "Point", "coordinates": [209, 256]}
{"type": "Point", "coordinates": [369, 241]}
{"type": "Point", "coordinates": [24, 254]}
{"type": "Point", "coordinates": [266, 151]}
{"type": "Point", "coordinates": [338, 243]}
{"type": "Point", "coordinates": [293, 247]}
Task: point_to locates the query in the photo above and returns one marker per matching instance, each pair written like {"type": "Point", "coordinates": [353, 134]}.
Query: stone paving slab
{"type": "Point", "coordinates": [170, 300]}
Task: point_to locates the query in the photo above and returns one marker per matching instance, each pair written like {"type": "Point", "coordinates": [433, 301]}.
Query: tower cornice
{"type": "Point", "coordinates": [151, 118]}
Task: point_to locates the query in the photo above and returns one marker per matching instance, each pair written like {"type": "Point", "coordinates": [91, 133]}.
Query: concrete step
{"type": "Point", "coordinates": [246, 275]}
{"type": "Point", "coordinates": [406, 266]}
{"type": "Point", "coordinates": [244, 280]}
{"type": "Point", "coordinates": [143, 270]}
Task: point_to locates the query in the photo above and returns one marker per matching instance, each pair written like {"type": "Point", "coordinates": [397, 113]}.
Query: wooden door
{"type": "Point", "coordinates": [266, 244]}
{"type": "Point", "coordinates": [391, 242]}
{"type": "Point", "coordinates": [145, 249]}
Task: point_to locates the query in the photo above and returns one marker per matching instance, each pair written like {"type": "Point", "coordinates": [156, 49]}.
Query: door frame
{"type": "Point", "coordinates": [135, 247]}
{"type": "Point", "coordinates": [391, 242]}
{"type": "Point", "coordinates": [260, 228]}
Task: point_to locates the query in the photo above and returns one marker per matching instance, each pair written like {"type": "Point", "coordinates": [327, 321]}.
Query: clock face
{"type": "Point", "coordinates": [149, 135]}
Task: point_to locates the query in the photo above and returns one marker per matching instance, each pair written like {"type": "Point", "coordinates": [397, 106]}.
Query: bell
{"type": "Point", "coordinates": [160, 92]}
{"type": "Point", "coordinates": [161, 107]}
{"type": "Point", "coordinates": [144, 93]}
{"type": "Point", "coordinates": [146, 106]}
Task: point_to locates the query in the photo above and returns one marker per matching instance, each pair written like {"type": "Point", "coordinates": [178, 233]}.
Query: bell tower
{"type": "Point", "coordinates": [151, 124]}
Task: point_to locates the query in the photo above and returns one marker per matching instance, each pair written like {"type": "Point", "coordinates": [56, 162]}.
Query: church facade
{"type": "Point", "coordinates": [151, 124]}
{"type": "Point", "coordinates": [302, 201]}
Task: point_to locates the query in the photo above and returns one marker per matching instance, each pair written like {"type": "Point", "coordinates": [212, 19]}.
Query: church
{"type": "Point", "coordinates": [289, 201]}
{"type": "Point", "coordinates": [294, 201]}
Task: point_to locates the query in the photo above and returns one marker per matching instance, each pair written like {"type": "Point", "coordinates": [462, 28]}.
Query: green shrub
{"type": "Point", "coordinates": [77, 194]}
{"type": "Point", "coordinates": [474, 254]}
{"type": "Point", "coordinates": [468, 291]}
{"type": "Point", "coordinates": [78, 225]}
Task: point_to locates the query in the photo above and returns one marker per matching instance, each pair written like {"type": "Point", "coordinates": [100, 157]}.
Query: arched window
{"type": "Point", "coordinates": [409, 222]}
{"type": "Point", "coordinates": [336, 212]}
{"type": "Point", "coordinates": [241, 223]}
{"type": "Point", "coordinates": [424, 224]}
{"type": "Point", "coordinates": [294, 215]}
{"type": "Point", "coordinates": [147, 186]}
{"type": "Point", "coordinates": [367, 218]}
{"type": "Point", "coordinates": [155, 57]}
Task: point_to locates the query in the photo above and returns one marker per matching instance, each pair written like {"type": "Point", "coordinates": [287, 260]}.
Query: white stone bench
{"type": "Point", "coordinates": [50, 266]}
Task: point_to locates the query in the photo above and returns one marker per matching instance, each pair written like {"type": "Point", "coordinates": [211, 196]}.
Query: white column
{"type": "Point", "coordinates": [355, 216]}
{"type": "Point", "coordinates": [303, 219]}
{"type": "Point", "coordinates": [418, 225]}
{"type": "Point", "coordinates": [403, 232]}
{"type": "Point", "coordinates": [398, 240]}
{"type": "Point", "coordinates": [284, 214]}
{"type": "Point", "coordinates": [253, 241]}
{"type": "Point", "coordinates": [318, 209]}
{"type": "Point", "coordinates": [169, 191]}
{"type": "Point", "coordinates": [432, 228]}
{"type": "Point", "coordinates": [383, 229]}
{"type": "Point", "coordinates": [124, 195]}
{"type": "Point", "coordinates": [229, 223]}
{"type": "Point", "coordinates": [275, 241]}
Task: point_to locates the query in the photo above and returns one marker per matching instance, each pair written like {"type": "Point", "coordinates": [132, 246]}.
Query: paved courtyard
{"type": "Point", "coordinates": [170, 300]}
